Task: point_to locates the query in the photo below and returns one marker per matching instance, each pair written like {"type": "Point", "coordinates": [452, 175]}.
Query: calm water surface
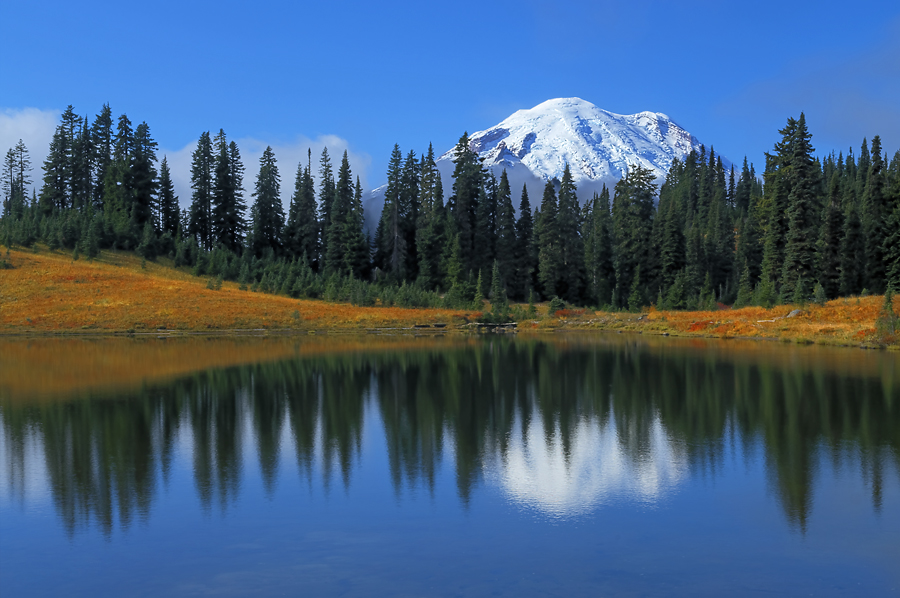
{"type": "Point", "coordinates": [561, 466]}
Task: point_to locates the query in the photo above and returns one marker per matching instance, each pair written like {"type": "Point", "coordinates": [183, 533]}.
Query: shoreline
{"type": "Point", "coordinates": [47, 294]}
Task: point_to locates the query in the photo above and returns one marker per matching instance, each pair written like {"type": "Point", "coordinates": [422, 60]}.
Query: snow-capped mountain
{"type": "Point", "coordinates": [534, 146]}
{"type": "Point", "coordinates": [598, 146]}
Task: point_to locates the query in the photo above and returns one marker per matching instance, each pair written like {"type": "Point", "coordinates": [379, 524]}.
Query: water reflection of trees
{"type": "Point", "coordinates": [106, 457]}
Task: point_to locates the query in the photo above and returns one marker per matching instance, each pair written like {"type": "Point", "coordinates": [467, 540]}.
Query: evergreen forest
{"type": "Point", "coordinates": [804, 229]}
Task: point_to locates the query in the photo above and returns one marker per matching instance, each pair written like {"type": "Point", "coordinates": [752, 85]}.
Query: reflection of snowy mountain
{"type": "Point", "coordinates": [536, 472]}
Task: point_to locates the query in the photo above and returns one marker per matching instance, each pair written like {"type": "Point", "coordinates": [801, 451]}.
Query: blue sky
{"type": "Point", "coordinates": [362, 76]}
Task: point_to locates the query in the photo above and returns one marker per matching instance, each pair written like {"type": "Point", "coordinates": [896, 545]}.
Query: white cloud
{"type": "Point", "coordinates": [34, 127]}
{"type": "Point", "coordinates": [288, 156]}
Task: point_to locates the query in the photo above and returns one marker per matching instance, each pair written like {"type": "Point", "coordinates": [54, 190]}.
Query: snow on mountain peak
{"type": "Point", "coordinates": [598, 145]}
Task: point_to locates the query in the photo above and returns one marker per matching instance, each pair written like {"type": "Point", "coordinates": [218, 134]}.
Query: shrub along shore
{"type": "Point", "coordinates": [47, 292]}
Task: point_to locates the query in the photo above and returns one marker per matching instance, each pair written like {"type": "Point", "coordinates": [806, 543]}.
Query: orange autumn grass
{"type": "Point", "coordinates": [845, 321]}
{"type": "Point", "coordinates": [49, 292]}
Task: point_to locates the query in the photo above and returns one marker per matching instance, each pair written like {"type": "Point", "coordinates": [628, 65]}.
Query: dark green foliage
{"type": "Point", "coordinates": [803, 213]}
{"type": "Point", "coordinates": [556, 304]}
{"type": "Point", "coordinates": [598, 249]}
{"type": "Point", "coordinates": [431, 229]}
{"type": "Point", "coordinates": [829, 243]}
{"type": "Point", "coordinates": [636, 296]}
{"type": "Point", "coordinates": [876, 212]}
{"type": "Point", "coordinates": [546, 231]}
{"type": "Point", "coordinates": [347, 246]}
{"type": "Point", "coordinates": [228, 223]}
{"type": "Point", "coordinates": [632, 213]}
{"type": "Point", "coordinates": [571, 245]}
{"type": "Point", "coordinates": [499, 302]}
{"type": "Point", "coordinates": [268, 213]}
{"type": "Point", "coordinates": [201, 220]}
{"type": "Point", "coordinates": [852, 253]}
{"type": "Point", "coordinates": [390, 239]}
{"type": "Point", "coordinates": [301, 235]}
{"type": "Point", "coordinates": [468, 179]}
{"type": "Point", "coordinates": [168, 201]}
{"type": "Point", "coordinates": [526, 249]}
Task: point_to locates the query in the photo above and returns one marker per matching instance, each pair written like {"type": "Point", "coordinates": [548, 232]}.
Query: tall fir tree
{"type": "Point", "coordinates": [202, 164]}
{"type": "Point", "coordinates": [228, 223]}
{"type": "Point", "coordinates": [326, 198]}
{"type": "Point", "coordinates": [431, 224]}
{"type": "Point", "coordinates": [468, 179]}
{"type": "Point", "coordinates": [391, 249]}
{"type": "Point", "coordinates": [144, 180]}
{"type": "Point", "coordinates": [168, 201]}
{"type": "Point", "coordinates": [268, 212]}
{"type": "Point", "coordinates": [876, 213]}
{"type": "Point", "coordinates": [102, 143]}
{"type": "Point", "coordinates": [506, 244]}
{"type": "Point", "coordinates": [829, 242]}
{"type": "Point", "coordinates": [598, 251]}
{"type": "Point", "coordinates": [632, 213]}
{"type": "Point", "coordinates": [546, 227]}
{"type": "Point", "coordinates": [526, 250]}
{"type": "Point", "coordinates": [571, 243]}
{"type": "Point", "coordinates": [302, 229]}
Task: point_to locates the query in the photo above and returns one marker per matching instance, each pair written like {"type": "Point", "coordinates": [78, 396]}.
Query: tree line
{"type": "Point", "coordinates": [805, 229]}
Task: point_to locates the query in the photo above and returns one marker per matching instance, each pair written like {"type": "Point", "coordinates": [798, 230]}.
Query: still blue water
{"type": "Point", "coordinates": [583, 467]}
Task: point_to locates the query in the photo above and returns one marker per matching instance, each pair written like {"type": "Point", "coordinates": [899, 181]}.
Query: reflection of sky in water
{"type": "Point", "coordinates": [23, 475]}
{"type": "Point", "coordinates": [536, 472]}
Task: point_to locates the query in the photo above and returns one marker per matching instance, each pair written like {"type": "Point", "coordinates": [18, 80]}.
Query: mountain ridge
{"type": "Point", "coordinates": [534, 145]}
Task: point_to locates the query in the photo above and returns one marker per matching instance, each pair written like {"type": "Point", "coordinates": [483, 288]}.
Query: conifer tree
{"type": "Point", "coordinates": [672, 247]}
{"type": "Point", "coordinates": [326, 198]}
{"type": "Point", "coordinates": [357, 259]}
{"type": "Point", "coordinates": [391, 237]}
{"type": "Point", "coordinates": [852, 252]}
{"type": "Point", "coordinates": [341, 233]}
{"type": "Point", "coordinates": [829, 243]}
{"type": "Point", "coordinates": [55, 190]}
{"type": "Point", "coordinates": [463, 203]}
{"type": "Point", "coordinates": [571, 243]}
{"type": "Point", "coordinates": [82, 166]}
{"type": "Point", "coordinates": [632, 220]}
{"type": "Point", "coordinates": [485, 239]}
{"type": "Point", "coordinates": [268, 213]}
{"type": "Point", "coordinates": [499, 302]}
{"type": "Point", "coordinates": [168, 201]}
{"type": "Point", "coordinates": [876, 214]}
{"type": "Point", "coordinates": [119, 187]}
{"type": "Point", "coordinates": [598, 250]}
{"type": "Point", "coordinates": [202, 164]}
{"type": "Point", "coordinates": [102, 144]}
{"type": "Point", "coordinates": [410, 206]}
{"type": "Point", "coordinates": [547, 236]}
{"type": "Point", "coordinates": [228, 223]}
{"type": "Point", "coordinates": [143, 179]}
{"type": "Point", "coordinates": [302, 231]}
{"type": "Point", "coordinates": [507, 243]}
{"type": "Point", "coordinates": [802, 212]}
{"type": "Point", "coordinates": [526, 251]}
{"type": "Point", "coordinates": [430, 227]}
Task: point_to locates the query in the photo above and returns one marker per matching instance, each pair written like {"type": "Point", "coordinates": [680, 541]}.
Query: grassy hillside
{"type": "Point", "coordinates": [48, 292]}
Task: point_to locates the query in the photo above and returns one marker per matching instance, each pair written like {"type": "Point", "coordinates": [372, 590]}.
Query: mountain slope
{"type": "Point", "coordinates": [598, 146]}
{"type": "Point", "coordinates": [535, 145]}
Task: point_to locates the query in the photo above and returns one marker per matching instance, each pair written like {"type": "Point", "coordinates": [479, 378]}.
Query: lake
{"type": "Point", "coordinates": [555, 465]}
